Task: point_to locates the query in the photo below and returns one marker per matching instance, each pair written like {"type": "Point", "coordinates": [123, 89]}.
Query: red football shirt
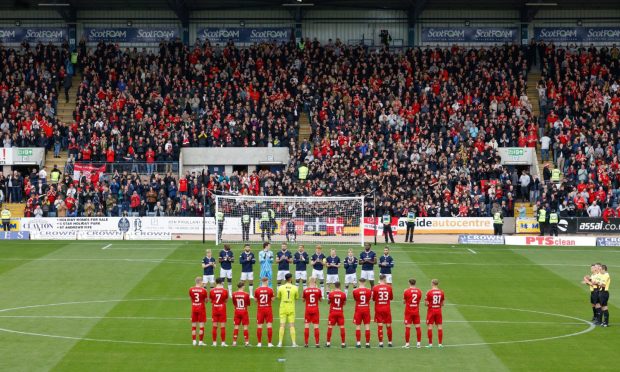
{"type": "Point", "coordinates": [434, 299]}
{"type": "Point", "coordinates": [337, 299]}
{"type": "Point", "coordinates": [264, 296]}
{"type": "Point", "coordinates": [412, 297]}
{"type": "Point", "coordinates": [241, 301]}
{"type": "Point", "coordinates": [198, 296]}
{"type": "Point", "coordinates": [218, 297]}
{"type": "Point", "coordinates": [312, 296]}
{"type": "Point", "coordinates": [362, 298]}
{"type": "Point", "coordinates": [382, 295]}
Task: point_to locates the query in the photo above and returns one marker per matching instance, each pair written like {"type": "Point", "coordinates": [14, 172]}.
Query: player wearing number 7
{"type": "Point", "coordinates": [218, 297]}
{"type": "Point", "coordinates": [287, 294]}
{"type": "Point", "coordinates": [434, 301]}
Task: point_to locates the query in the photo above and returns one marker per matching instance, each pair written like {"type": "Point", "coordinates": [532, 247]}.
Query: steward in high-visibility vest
{"type": "Point", "coordinates": [542, 220]}
{"type": "Point", "coordinates": [556, 174]}
{"type": "Point", "coordinates": [5, 215]}
{"type": "Point", "coordinates": [303, 172]}
{"type": "Point", "coordinates": [219, 218]}
{"type": "Point", "coordinates": [245, 227]}
{"type": "Point", "coordinates": [387, 227]}
{"type": "Point", "coordinates": [498, 223]}
{"type": "Point", "coordinates": [272, 221]}
{"type": "Point", "coordinates": [554, 219]}
{"type": "Point", "coordinates": [55, 175]}
{"type": "Point", "coordinates": [410, 225]}
{"type": "Point", "coordinates": [264, 225]}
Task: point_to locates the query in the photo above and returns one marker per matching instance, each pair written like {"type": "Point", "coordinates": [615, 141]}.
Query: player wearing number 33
{"type": "Point", "coordinates": [382, 296]}
{"type": "Point", "coordinates": [287, 294]}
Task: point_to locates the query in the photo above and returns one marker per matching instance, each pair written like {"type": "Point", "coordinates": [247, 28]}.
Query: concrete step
{"type": "Point", "coordinates": [529, 210]}
{"type": "Point", "coordinates": [16, 209]}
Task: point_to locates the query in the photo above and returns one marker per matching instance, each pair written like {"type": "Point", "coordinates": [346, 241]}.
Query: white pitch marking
{"type": "Point", "coordinates": [472, 251]}
{"type": "Point", "coordinates": [107, 246]}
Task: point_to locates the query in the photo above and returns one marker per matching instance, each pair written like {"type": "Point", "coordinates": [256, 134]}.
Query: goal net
{"type": "Point", "coordinates": [254, 219]}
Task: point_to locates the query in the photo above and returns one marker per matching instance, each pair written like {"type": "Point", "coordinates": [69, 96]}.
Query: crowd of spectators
{"type": "Point", "coordinates": [419, 127]}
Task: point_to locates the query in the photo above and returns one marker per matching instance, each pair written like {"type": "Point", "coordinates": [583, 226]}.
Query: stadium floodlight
{"type": "Point", "coordinates": [310, 220]}
{"type": "Point", "coordinates": [541, 4]}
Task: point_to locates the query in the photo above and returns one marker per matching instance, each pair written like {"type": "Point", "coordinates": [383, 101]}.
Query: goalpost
{"type": "Point", "coordinates": [256, 219]}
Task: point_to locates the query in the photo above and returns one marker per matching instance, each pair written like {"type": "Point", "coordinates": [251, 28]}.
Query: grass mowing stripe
{"type": "Point", "coordinates": [8, 255]}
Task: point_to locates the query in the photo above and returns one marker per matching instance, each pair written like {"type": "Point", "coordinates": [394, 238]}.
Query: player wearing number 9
{"type": "Point", "coordinates": [362, 297]}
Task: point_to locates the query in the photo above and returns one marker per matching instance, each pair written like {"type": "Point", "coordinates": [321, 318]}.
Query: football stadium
{"type": "Point", "coordinates": [290, 185]}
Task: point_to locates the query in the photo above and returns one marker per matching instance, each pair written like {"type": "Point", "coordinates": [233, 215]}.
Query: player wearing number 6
{"type": "Point", "coordinates": [312, 296]}
{"type": "Point", "coordinates": [382, 296]}
{"type": "Point", "coordinates": [241, 301]}
{"type": "Point", "coordinates": [287, 294]}
{"type": "Point", "coordinates": [434, 302]}
{"type": "Point", "coordinates": [198, 296]}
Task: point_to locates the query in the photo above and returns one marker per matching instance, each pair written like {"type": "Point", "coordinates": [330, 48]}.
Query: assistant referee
{"type": "Point", "coordinates": [603, 295]}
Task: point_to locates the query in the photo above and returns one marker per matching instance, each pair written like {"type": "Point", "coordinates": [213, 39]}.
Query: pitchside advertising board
{"type": "Point", "coordinates": [482, 35]}
{"type": "Point", "coordinates": [551, 241]}
{"type": "Point", "coordinates": [135, 35]}
{"type": "Point", "coordinates": [245, 35]}
{"type": "Point", "coordinates": [572, 225]}
{"type": "Point", "coordinates": [578, 34]}
{"type": "Point", "coordinates": [481, 239]}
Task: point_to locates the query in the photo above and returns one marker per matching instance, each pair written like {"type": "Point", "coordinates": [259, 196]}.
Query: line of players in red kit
{"type": "Point", "coordinates": [380, 294]}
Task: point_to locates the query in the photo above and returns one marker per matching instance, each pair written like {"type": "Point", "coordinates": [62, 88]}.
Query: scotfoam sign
{"type": "Point", "coordinates": [33, 34]}
{"type": "Point", "coordinates": [577, 34]}
{"type": "Point", "coordinates": [469, 34]}
{"type": "Point", "coordinates": [130, 34]}
{"type": "Point", "coordinates": [245, 35]}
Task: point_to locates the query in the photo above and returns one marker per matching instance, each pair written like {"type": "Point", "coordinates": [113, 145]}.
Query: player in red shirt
{"type": "Point", "coordinates": [199, 312]}
{"type": "Point", "coordinates": [218, 297]}
{"type": "Point", "coordinates": [382, 295]}
{"type": "Point", "coordinates": [337, 298]}
{"type": "Point", "coordinates": [241, 301]}
{"type": "Point", "coordinates": [362, 296]}
{"type": "Point", "coordinates": [434, 301]}
{"type": "Point", "coordinates": [264, 314]}
{"type": "Point", "coordinates": [411, 299]}
{"type": "Point", "coordinates": [312, 296]}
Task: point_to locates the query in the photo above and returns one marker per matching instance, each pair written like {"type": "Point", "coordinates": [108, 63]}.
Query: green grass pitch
{"type": "Point", "coordinates": [77, 307]}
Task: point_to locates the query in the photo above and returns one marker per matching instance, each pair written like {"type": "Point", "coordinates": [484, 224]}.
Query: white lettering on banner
{"type": "Point", "coordinates": [151, 235]}
{"type": "Point", "coordinates": [608, 33]}
{"type": "Point", "coordinates": [7, 34]}
{"type": "Point", "coordinates": [555, 33]}
{"type": "Point", "coordinates": [551, 241]}
{"type": "Point", "coordinates": [493, 33]}
{"type": "Point", "coordinates": [100, 235]}
{"type": "Point", "coordinates": [156, 34]}
{"type": "Point", "coordinates": [453, 225]}
{"type": "Point", "coordinates": [184, 225]}
{"type": "Point", "coordinates": [220, 34]}
{"type": "Point", "coordinates": [445, 33]}
{"type": "Point", "coordinates": [269, 34]}
{"type": "Point", "coordinates": [44, 34]}
{"type": "Point", "coordinates": [109, 34]}
{"type": "Point", "coordinates": [53, 235]}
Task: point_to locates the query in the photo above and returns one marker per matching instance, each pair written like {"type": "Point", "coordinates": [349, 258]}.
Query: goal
{"type": "Point", "coordinates": [256, 219]}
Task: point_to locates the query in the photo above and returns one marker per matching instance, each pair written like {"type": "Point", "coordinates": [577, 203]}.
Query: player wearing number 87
{"type": "Point", "coordinates": [312, 296]}
{"type": "Point", "coordinates": [218, 297]}
{"type": "Point", "coordinates": [336, 299]}
{"type": "Point", "coordinates": [198, 295]}
{"type": "Point", "coordinates": [241, 301]}
{"type": "Point", "coordinates": [264, 314]}
{"type": "Point", "coordinates": [434, 301]}
{"type": "Point", "coordinates": [382, 296]}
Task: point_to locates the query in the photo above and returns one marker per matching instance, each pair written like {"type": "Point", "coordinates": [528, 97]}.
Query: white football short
{"type": "Point", "coordinates": [332, 278]}
{"type": "Point", "coordinates": [282, 274]}
{"type": "Point", "coordinates": [318, 274]}
{"type": "Point", "coordinates": [247, 276]}
{"type": "Point", "coordinates": [208, 279]}
{"type": "Point", "coordinates": [226, 273]}
{"type": "Point", "coordinates": [368, 274]}
{"type": "Point", "coordinates": [350, 279]}
{"type": "Point", "coordinates": [303, 275]}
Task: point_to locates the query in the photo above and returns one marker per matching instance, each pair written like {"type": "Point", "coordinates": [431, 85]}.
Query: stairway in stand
{"type": "Point", "coordinates": [532, 94]}
{"type": "Point", "coordinates": [305, 131]}
{"type": "Point", "coordinates": [16, 209]}
{"type": "Point", "coordinates": [64, 113]}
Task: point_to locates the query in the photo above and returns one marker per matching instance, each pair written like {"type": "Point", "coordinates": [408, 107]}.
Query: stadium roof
{"type": "Point", "coordinates": [190, 5]}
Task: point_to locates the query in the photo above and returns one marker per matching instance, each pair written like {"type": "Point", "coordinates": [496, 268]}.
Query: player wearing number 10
{"type": "Point", "coordinates": [241, 301]}
{"type": "Point", "coordinates": [287, 294]}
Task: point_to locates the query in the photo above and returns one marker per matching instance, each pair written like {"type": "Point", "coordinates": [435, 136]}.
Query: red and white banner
{"type": "Point", "coordinates": [369, 226]}
{"type": "Point", "coordinates": [89, 171]}
{"type": "Point", "coordinates": [552, 241]}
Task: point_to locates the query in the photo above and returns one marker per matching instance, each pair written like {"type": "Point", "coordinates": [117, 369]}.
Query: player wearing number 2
{"type": "Point", "coordinates": [198, 296]}
{"type": "Point", "coordinates": [241, 301]}
{"type": "Point", "coordinates": [287, 294]}
{"type": "Point", "coordinates": [362, 296]}
{"type": "Point", "coordinates": [264, 314]}
{"type": "Point", "coordinates": [337, 299]}
{"type": "Point", "coordinates": [434, 302]}
{"type": "Point", "coordinates": [412, 298]}
{"type": "Point", "coordinates": [382, 296]}
{"type": "Point", "coordinates": [218, 297]}
{"type": "Point", "coordinates": [312, 296]}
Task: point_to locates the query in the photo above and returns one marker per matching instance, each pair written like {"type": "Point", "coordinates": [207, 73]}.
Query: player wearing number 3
{"type": "Point", "coordinates": [434, 302]}
{"type": "Point", "coordinates": [287, 294]}
{"type": "Point", "coordinates": [198, 296]}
